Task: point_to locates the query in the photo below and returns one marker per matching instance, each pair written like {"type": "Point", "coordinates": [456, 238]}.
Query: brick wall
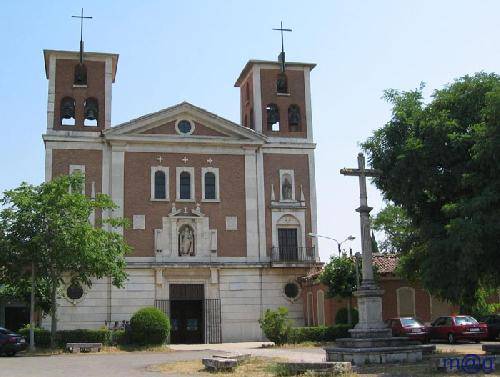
{"type": "Point", "coordinates": [137, 197]}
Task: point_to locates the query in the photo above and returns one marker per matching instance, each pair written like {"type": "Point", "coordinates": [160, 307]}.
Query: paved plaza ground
{"type": "Point", "coordinates": [134, 364]}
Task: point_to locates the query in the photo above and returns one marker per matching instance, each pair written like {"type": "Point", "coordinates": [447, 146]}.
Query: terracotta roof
{"type": "Point", "coordinates": [386, 264]}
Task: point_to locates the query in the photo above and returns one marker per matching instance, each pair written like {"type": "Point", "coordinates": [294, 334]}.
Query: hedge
{"type": "Point", "coordinates": [83, 336]}
{"type": "Point", "coordinates": [318, 333]}
{"type": "Point", "coordinates": [104, 336]}
{"type": "Point", "coordinates": [42, 336]}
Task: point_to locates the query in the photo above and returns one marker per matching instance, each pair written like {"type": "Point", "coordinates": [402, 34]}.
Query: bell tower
{"type": "Point", "coordinates": [275, 97]}
{"type": "Point", "coordinates": [80, 85]}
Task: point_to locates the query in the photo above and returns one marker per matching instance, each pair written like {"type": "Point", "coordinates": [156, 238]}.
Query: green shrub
{"type": "Point", "coordinates": [119, 337]}
{"type": "Point", "coordinates": [83, 336]}
{"type": "Point", "coordinates": [341, 316]}
{"type": "Point", "coordinates": [42, 336]}
{"type": "Point", "coordinates": [318, 333]}
{"type": "Point", "coordinates": [149, 326]}
{"type": "Point", "coordinates": [276, 325]}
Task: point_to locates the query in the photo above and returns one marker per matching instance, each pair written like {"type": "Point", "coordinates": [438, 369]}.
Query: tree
{"type": "Point", "coordinates": [375, 249]}
{"type": "Point", "coordinates": [440, 163]}
{"type": "Point", "coordinates": [45, 229]}
{"type": "Point", "coordinates": [393, 221]}
{"type": "Point", "coordinates": [340, 277]}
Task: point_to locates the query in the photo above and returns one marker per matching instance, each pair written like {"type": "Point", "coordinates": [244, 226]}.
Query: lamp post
{"type": "Point", "coordinates": [339, 244]}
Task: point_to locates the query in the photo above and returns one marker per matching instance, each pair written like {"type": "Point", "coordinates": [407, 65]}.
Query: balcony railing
{"type": "Point", "coordinates": [287, 254]}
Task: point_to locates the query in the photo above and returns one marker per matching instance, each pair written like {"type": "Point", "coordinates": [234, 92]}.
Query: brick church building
{"type": "Point", "coordinates": [219, 211]}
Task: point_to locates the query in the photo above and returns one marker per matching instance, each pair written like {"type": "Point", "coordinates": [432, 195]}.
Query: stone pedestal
{"type": "Point", "coordinates": [370, 323]}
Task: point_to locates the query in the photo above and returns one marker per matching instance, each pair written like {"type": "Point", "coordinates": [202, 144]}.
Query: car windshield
{"type": "Point", "coordinates": [465, 320]}
{"type": "Point", "coordinates": [410, 322]}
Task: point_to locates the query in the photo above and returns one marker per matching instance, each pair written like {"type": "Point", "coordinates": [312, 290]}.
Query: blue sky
{"type": "Point", "coordinates": [193, 50]}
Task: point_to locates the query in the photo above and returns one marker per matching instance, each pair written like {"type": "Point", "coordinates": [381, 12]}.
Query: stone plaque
{"type": "Point", "coordinates": [139, 222]}
{"type": "Point", "coordinates": [231, 223]}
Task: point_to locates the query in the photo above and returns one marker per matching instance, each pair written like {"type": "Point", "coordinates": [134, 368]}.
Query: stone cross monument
{"type": "Point", "coordinates": [369, 295]}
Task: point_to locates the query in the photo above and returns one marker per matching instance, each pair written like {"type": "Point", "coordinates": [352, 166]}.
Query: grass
{"type": "Point", "coordinates": [255, 367]}
{"type": "Point", "coordinates": [134, 348]}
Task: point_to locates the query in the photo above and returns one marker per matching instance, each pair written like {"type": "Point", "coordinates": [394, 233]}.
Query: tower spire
{"type": "Point", "coordinates": [281, 56]}
{"type": "Point", "coordinates": [81, 17]}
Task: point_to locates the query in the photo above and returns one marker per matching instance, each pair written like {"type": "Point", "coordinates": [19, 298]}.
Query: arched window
{"type": "Point", "coordinates": [91, 111]}
{"type": "Point", "coordinates": [68, 111]}
{"type": "Point", "coordinates": [210, 190]}
{"type": "Point", "coordinates": [252, 125]}
{"type": "Point", "coordinates": [282, 83]}
{"type": "Point", "coordinates": [294, 118]}
{"type": "Point", "coordinates": [320, 306]}
{"type": "Point", "coordinates": [273, 117]}
{"type": "Point", "coordinates": [160, 185]}
{"type": "Point", "coordinates": [406, 301]}
{"type": "Point", "coordinates": [80, 74]}
{"type": "Point", "coordinates": [309, 308]}
{"type": "Point", "coordinates": [185, 185]}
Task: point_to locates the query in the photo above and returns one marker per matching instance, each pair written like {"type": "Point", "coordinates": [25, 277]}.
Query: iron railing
{"type": "Point", "coordinates": [288, 254]}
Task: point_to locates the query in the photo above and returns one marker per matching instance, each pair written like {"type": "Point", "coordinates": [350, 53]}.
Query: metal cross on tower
{"type": "Point", "coordinates": [81, 17]}
{"type": "Point", "coordinates": [282, 55]}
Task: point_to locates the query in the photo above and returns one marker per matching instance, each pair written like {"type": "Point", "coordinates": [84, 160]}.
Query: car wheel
{"type": "Point", "coordinates": [451, 338]}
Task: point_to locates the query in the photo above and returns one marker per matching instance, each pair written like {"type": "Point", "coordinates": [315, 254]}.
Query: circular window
{"type": "Point", "coordinates": [184, 127]}
{"type": "Point", "coordinates": [291, 290]}
{"type": "Point", "coordinates": [74, 291]}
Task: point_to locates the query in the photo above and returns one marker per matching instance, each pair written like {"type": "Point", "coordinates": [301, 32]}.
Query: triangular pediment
{"type": "Point", "coordinates": [166, 125]}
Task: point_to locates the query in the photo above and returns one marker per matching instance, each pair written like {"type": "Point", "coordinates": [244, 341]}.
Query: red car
{"type": "Point", "coordinates": [458, 327]}
{"type": "Point", "coordinates": [409, 327]}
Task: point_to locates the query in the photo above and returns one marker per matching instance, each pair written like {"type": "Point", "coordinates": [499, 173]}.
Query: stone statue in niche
{"type": "Point", "coordinates": [286, 188]}
{"type": "Point", "coordinates": [186, 241]}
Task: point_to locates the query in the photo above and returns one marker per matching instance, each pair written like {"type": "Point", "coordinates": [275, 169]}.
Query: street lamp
{"type": "Point", "coordinates": [339, 244]}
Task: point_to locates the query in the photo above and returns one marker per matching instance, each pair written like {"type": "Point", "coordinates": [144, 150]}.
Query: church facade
{"type": "Point", "coordinates": [220, 212]}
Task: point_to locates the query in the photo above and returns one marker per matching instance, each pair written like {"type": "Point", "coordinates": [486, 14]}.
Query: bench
{"type": "Point", "coordinates": [83, 347]}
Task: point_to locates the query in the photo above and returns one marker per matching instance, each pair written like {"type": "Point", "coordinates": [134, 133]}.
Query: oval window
{"type": "Point", "coordinates": [291, 290]}
{"type": "Point", "coordinates": [74, 291]}
{"type": "Point", "coordinates": [184, 126]}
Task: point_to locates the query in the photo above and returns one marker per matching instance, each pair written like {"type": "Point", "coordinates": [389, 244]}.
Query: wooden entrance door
{"type": "Point", "coordinates": [287, 242]}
